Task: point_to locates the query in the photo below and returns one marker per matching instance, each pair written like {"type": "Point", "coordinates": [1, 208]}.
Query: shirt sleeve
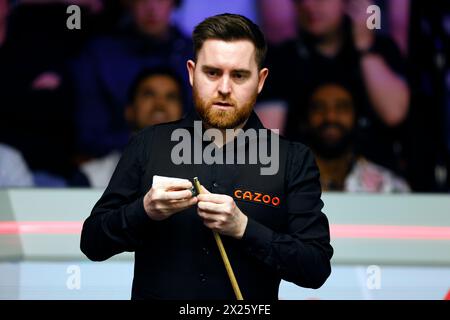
{"type": "Point", "coordinates": [14, 171]}
{"type": "Point", "coordinates": [302, 254]}
{"type": "Point", "coordinates": [118, 219]}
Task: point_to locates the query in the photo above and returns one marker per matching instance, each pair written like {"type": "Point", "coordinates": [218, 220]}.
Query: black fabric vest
{"type": "Point", "coordinates": [185, 262]}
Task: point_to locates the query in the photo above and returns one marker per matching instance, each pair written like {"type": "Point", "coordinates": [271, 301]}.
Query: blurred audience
{"type": "Point", "coordinates": [398, 21]}
{"type": "Point", "coordinates": [4, 10]}
{"type": "Point", "coordinates": [155, 96]}
{"type": "Point", "coordinates": [64, 99]}
{"type": "Point", "coordinates": [108, 65]}
{"type": "Point", "coordinates": [277, 20]}
{"type": "Point", "coordinates": [331, 123]}
{"type": "Point", "coordinates": [14, 171]}
{"type": "Point", "coordinates": [334, 43]}
{"type": "Point", "coordinates": [36, 114]}
{"type": "Point", "coordinates": [429, 65]}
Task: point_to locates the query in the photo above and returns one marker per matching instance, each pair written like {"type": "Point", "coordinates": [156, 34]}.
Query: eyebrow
{"type": "Point", "coordinates": [210, 68]}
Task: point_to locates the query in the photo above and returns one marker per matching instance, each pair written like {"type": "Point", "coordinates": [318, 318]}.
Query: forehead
{"type": "Point", "coordinates": [239, 54]}
{"type": "Point", "coordinates": [159, 81]}
{"type": "Point", "coordinates": [331, 92]}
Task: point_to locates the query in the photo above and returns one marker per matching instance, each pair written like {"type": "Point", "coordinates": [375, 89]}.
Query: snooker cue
{"type": "Point", "coordinates": [223, 253]}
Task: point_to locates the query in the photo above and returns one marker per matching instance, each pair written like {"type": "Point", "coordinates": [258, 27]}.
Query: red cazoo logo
{"type": "Point", "coordinates": [257, 197]}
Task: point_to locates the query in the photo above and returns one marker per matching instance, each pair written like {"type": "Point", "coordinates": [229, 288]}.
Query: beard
{"type": "Point", "coordinates": [223, 119]}
{"type": "Point", "coordinates": [330, 149]}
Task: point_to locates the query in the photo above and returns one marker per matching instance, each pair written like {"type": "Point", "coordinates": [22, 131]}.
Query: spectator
{"type": "Point", "coordinates": [155, 97]}
{"type": "Point", "coordinates": [335, 44]}
{"type": "Point", "coordinates": [107, 66]}
{"type": "Point", "coordinates": [277, 20]}
{"type": "Point", "coordinates": [36, 114]}
{"type": "Point", "coordinates": [14, 171]}
{"type": "Point", "coordinates": [331, 133]}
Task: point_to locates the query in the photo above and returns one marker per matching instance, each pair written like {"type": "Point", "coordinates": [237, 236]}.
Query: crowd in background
{"type": "Point", "coordinates": [373, 105]}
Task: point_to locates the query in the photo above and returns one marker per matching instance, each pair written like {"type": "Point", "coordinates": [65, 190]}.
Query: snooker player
{"type": "Point", "coordinates": [272, 225]}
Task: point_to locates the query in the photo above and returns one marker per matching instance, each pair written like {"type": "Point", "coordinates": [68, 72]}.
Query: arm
{"type": "Point", "coordinates": [387, 91]}
{"type": "Point", "coordinates": [118, 218]}
{"type": "Point", "coordinates": [302, 254]}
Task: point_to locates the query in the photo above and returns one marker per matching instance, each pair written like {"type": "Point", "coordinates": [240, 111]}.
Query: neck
{"type": "Point", "coordinates": [334, 171]}
{"type": "Point", "coordinates": [224, 137]}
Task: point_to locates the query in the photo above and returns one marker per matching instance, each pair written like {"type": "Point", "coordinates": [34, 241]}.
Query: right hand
{"type": "Point", "coordinates": [168, 196]}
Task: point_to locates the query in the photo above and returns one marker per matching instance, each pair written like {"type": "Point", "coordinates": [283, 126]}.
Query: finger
{"type": "Point", "coordinates": [212, 217]}
{"type": "Point", "coordinates": [178, 184]}
{"type": "Point", "coordinates": [211, 225]}
{"type": "Point", "coordinates": [176, 195]}
{"type": "Point", "coordinates": [171, 183]}
{"type": "Point", "coordinates": [212, 197]}
{"type": "Point", "coordinates": [182, 204]}
{"type": "Point", "coordinates": [210, 207]}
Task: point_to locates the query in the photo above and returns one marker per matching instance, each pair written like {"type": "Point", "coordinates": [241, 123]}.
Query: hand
{"type": "Point", "coordinates": [168, 196]}
{"type": "Point", "coordinates": [46, 81]}
{"type": "Point", "coordinates": [363, 37]}
{"type": "Point", "coordinates": [221, 214]}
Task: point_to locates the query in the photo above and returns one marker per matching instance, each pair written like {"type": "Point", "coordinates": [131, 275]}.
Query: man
{"type": "Point", "coordinates": [272, 226]}
{"type": "Point", "coordinates": [108, 65]}
{"type": "Point", "coordinates": [155, 96]}
{"type": "Point", "coordinates": [334, 43]}
{"type": "Point", "coordinates": [331, 122]}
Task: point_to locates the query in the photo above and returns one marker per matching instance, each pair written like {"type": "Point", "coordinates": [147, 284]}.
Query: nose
{"type": "Point", "coordinates": [331, 115]}
{"type": "Point", "coordinates": [224, 86]}
{"type": "Point", "coordinates": [159, 102]}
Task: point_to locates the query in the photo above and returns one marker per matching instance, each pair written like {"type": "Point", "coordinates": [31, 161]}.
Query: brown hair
{"type": "Point", "coordinates": [230, 27]}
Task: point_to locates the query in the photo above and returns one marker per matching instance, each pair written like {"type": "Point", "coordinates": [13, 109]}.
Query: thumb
{"type": "Point", "coordinates": [204, 190]}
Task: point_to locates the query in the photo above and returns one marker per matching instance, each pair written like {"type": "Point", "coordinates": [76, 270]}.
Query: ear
{"type": "Point", "coordinates": [191, 68]}
{"type": "Point", "coordinates": [263, 73]}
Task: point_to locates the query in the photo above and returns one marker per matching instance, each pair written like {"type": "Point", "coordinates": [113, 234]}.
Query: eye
{"type": "Point", "coordinates": [317, 107]}
{"type": "Point", "coordinates": [239, 76]}
{"type": "Point", "coordinates": [148, 93]}
{"type": "Point", "coordinates": [212, 73]}
{"type": "Point", "coordinates": [343, 106]}
{"type": "Point", "coordinates": [173, 97]}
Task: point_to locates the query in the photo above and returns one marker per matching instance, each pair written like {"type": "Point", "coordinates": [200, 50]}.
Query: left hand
{"type": "Point", "coordinates": [221, 214]}
{"type": "Point", "coordinates": [363, 37]}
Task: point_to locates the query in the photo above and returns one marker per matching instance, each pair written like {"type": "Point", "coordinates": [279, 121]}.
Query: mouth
{"type": "Point", "coordinates": [159, 116]}
{"type": "Point", "coordinates": [222, 105]}
{"type": "Point", "coordinates": [331, 133]}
